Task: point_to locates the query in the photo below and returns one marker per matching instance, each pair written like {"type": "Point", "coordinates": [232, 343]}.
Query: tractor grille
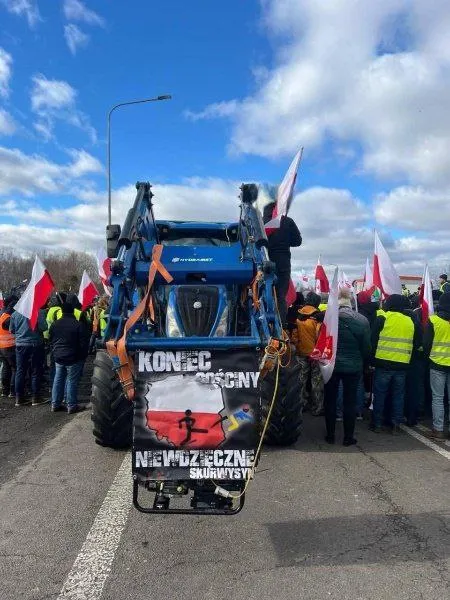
{"type": "Point", "coordinates": [197, 308]}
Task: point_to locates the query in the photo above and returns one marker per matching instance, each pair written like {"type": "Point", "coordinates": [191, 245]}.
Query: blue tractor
{"type": "Point", "coordinates": [194, 368]}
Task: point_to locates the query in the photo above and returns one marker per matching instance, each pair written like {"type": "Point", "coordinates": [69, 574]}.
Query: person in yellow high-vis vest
{"type": "Point", "coordinates": [393, 338]}
{"type": "Point", "coordinates": [444, 285]}
{"type": "Point", "coordinates": [436, 345]}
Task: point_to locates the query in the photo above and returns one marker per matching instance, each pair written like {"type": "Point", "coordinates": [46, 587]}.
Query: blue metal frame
{"type": "Point", "coordinates": [234, 264]}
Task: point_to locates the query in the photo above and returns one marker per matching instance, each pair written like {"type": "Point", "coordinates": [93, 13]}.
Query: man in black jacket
{"type": "Point", "coordinates": [281, 241]}
{"type": "Point", "coordinates": [69, 341]}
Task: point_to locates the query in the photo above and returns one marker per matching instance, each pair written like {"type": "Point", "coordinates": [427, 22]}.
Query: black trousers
{"type": "Point", "coordinates": [8, 358]}
{"type": "Point", "coordinates": [350, 384]}
{"type": "Point", "coordinates": [282, 286]}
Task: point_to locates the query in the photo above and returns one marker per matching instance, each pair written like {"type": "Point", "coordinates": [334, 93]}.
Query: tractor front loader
{"type": "Point", "coordinates": [194, 368]}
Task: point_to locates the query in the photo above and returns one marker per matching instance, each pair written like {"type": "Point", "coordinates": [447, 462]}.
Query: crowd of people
{"type": "Point", "coordinates": [387, 359]}
{"type": "Point", "coordinates": [45, 363]}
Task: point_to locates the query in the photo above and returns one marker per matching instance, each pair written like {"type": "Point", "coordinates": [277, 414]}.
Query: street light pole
{"type": "Point", "coordinates": [108, 159]}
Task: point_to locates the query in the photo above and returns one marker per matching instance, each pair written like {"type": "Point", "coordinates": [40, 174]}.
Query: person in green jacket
{"type": "Point", "coordinates": [353, 352]}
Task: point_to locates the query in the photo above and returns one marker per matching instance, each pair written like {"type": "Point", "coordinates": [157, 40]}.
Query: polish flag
{"type": "Point", "coordinates": [285, 194]}
{"type": "Point", "coordinates": [368, 276]}
{"type": "Point", "coordinates": [186, 412]}
{"type": "Point", "coordinates": [322, 283]}
{"type": "Point", "coordinates": [385, 276]}
{"type": "Point", "coordinates": [2, 301]}
{"type": "Point", "coordinates": [36, 294]}
{"type": "Point", "coordinates": [87, 291]}
{"type": "Point", "coordinates": [291, 295]}
{"type": "Point", "coordinates": [104, 269]}
{"type": "Point", "coordinates": [326, 345]}
{"type": "Point", "coordinates": [426, 297]}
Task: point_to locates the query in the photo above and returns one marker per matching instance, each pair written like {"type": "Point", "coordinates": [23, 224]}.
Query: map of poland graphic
{"type": "Point", "coordinates": [185, 412]}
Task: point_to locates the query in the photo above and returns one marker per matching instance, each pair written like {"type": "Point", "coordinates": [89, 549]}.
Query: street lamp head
{"type": "Point", "coordinates": [165, 97]}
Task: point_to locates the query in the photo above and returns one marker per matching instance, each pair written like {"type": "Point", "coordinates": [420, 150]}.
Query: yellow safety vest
{"type": "Point", "coordinates": [440, 351]}
{"type": "Point", "coordinates": [396, 339]}
{"type": "Point", "coordinates": [323, 307]}
{"type": "Point", "coordinates": [381, 313]}
{"type": "Point", "coordinates": [55, 313]}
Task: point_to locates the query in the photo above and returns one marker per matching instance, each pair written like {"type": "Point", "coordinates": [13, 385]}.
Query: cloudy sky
{"type": "Point", "coordinates": [364, 86]}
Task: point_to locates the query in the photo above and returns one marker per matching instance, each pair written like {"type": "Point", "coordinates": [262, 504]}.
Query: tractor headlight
{"type": "Point", "coordinates": [222, 327]}
{"type": "Point", "coordinates": [172, 329]}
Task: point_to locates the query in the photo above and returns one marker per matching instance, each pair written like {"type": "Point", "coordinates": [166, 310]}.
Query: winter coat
{"type": "Point", "coordinates": [25, 336]}
{"type": "Point", "coordinates": [69, 340]}
{"type": "Point", "coordinates": [282, 240]}
{"type": "Point", "coordinates": [305, 335]}
{"type": "Point", "coordinates": [353, 348]}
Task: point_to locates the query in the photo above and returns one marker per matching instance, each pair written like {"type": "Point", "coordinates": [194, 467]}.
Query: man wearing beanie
{"type": "Point", "coordinates": [69, 342]}
{"type": "Point", "coordinates": [394, 337]}
{"type": "Point", "coordinates": [436, 346]}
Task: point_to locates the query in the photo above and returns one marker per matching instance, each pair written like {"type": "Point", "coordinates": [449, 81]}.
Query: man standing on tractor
{"type": "Point", "coordinates": [281, 241]}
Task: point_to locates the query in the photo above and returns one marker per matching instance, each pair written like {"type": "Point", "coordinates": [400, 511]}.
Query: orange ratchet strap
{"type": "Point", "coordinates": [117, 350]}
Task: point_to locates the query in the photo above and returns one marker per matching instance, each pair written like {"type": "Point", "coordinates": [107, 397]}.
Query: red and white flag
{"type": "Point", "coordinates": [285, 194]}
{"type": "Point", "coordinates": [368, 276]}
{"type": "Point", "coordinates": [291, 295]}
{"type": "Point", "coordinates": [426, 296]}
{"type": "Point", "coordinates": [87, 291]}
{"type": "Point", "coordinates": [36, 294]}
{"type": "Point", "coordinates": [322, 283]}
{"type": "Point", "coordinates": [2, 301]}
{"type": "Point", "coordinates": [186, 412]}
{"type": "Point", "coordinates": [104, 269]}
{"type": "Point", "coordinates": [385, 276]}
{"type": "Point", "coordinates": [326, 345]}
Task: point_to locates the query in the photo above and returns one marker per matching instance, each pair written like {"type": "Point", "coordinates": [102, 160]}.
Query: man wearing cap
{"type": "Point", "coordinates": [436, 346]}
{"type": "Point", "coordinates": [444, 284]}
{"type": "Point", "coordinates": [394, 337]}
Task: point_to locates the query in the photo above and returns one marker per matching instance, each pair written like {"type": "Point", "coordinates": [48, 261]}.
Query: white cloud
{"type": "Point", "coordinates": [75, 38]}
{"type": "Point", "coordinates": [53, 99]}
{"type": "Point", "coordinates": [23, 8]}
{"type": "Point", "coordinates": [5, 72]}
{"type": "Point", "coordinates": [7, 123]}
{"type": "Point", "coordinates": [74, 10]}
{"type": "Point", "coordinates": [374, 74]}
{"type": "Point", "coordinates": [414, 208]}
{"type": "Point", "coordinates": [32, 174]}
{"type": "Point", "coordinates": [51, 94]}
{"type": "Point", "coordinates": [213, 111]}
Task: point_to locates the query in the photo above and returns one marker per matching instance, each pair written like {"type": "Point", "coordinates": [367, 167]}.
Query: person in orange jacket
{"type": "Point", "coordinates": [8, 348]}
{"type": "Point", "coordinates": [304, 338]}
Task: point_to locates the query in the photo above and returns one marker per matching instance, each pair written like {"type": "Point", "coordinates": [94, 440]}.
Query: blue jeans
{"type": "Point", "coordinates": [360, 399]}
{"type": "Point", "coordinates": [385, 380]}
{"type": "Point", "coordinates": [70, 374]}
{"type": "Point", "coordinates": [29, 357]}
{"type": "Point", "coordinates": [438, 381]}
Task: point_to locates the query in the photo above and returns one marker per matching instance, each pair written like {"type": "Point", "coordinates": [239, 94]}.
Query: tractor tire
{"type": "Point", "coordinates": [285, 422]}
{"type": "Point", "coordinates": [112, 413]}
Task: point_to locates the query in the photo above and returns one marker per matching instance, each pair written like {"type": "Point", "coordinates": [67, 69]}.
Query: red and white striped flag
{"type": "Point", "coordinates": [322, 283]}
{"type": "Point", "coordinates": [2, 301]}
{"type": "Point", "coordinates": [285, 194]}
{"type": "Point", "coordinates": [385, 276]}
{"type": "Point", "coordinates": [426, 296]}
{"type": "Point", "coordinates": [186, 412]}
{"type": "Point", "coordinates": [326, 345]}
{"type": "Point", "coordinates": [104, 269]}
{"type": "Point", "coordinates": [36, 294]}
{"type": "Point", "coordinates": [368, 276]}
{"type": "Point", "coordinates": [291, 295]}
{"type": "Point", "coordinates": [87, 291]}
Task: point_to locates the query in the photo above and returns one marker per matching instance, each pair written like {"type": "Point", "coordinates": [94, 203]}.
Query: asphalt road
{"type": "Point", "coordinates": [370, 522]}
